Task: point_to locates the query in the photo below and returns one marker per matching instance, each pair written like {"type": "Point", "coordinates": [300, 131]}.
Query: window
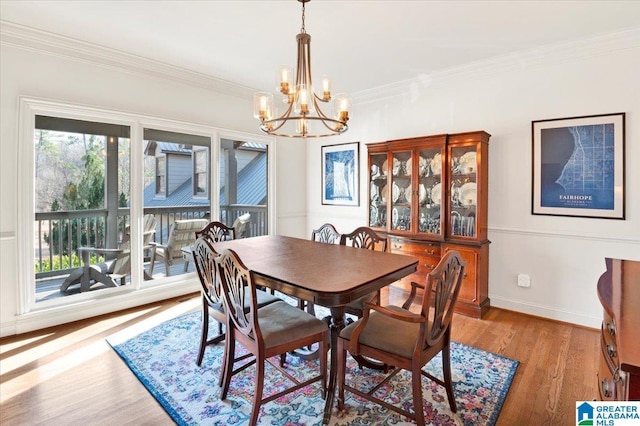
{"type": "Point", "coordinates": [93, 186]}
{"type": "Point", "coordinates": [161, 176]}
{"type": "Point", "coordinates": [200, 174]}
{"type": "Point", "coordinates": [81, 181]}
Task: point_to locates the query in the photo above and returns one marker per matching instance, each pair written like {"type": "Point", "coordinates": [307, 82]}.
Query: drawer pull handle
{"type": "Point", "coordinates": [611, 328]}
{"type": "Point", "coordinates": [606, 388]}
{"type": "Point", "coordinates": [611, 350]}
{"type": "Point", "coordinates": [432, 267]}
{"type": "Point", "coordinates": [430, 252]}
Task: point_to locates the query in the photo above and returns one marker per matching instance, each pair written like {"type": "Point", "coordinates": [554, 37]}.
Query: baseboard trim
{"type": "Point", "coordinates": [546, 312]}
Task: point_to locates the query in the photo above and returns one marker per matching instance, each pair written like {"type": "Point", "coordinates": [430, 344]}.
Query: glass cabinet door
{"type": "Point", "coordinates": [378, 190]}
{"type": "Point", "coordinates": [464, 191]}
{"type": "Point", "coordinates": [400, 191]}
{"type": "Point", "coordinates": [430, 191]}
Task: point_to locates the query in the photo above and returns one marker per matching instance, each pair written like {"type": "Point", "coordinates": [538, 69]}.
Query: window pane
{"type": "Point", "coordinates": [81, 200]}
{"type": "Point", "coordinates": [244, 187]}
{"type": "Point", "coordinates": [172, 159]}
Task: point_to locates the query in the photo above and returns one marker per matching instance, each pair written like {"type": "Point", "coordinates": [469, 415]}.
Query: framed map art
{"type": "Point", "coordinates": [340, 174]}
{"type": "Point", "coordinates": [578, 166]}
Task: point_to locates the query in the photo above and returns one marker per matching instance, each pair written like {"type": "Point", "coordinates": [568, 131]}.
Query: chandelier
{"type": "Point", "coordinates": [302, 115]}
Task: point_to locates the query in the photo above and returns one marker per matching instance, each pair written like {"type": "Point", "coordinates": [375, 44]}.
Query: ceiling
{"type": "Point", "coordinates": [360, 44]}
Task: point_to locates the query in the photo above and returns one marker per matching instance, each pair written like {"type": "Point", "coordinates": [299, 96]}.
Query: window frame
{"type": "Point", "coordinates": [87, 304]}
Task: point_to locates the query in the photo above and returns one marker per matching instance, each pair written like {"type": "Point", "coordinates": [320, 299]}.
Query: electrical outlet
{"type": "Point", "coordinates": [524, 280]}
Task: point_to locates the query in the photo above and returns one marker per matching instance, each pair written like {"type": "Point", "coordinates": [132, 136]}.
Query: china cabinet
{"type": "Point", "coordinates": [429, 195]}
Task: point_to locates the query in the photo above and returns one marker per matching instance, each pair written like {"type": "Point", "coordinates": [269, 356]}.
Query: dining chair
{"type": "Point", "coordinates": [265, 332]}
{"type": "Point", "coordinates": [408, 341]}
{"type": "Point", "coordinates": [212, 300]}
{"type": "Point", "coordinates": [327, 234]}
{"type": "Point", "coordinates": [182, 234]}
{"type": "Point", "coordinates": [217, 231]}
{"type": "Point", "coordinates": [364, 238]}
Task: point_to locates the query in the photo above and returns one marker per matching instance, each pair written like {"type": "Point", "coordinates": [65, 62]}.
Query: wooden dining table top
{"type": "Point", "coordinates": [327, 274]}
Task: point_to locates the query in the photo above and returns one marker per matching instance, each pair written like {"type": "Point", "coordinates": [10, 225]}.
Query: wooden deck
{"type": "Point", "coordinates": [49, 288]}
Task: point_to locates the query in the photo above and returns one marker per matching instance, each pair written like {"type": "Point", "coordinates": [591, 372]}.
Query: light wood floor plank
{"type": "Point", "coordinates": [69, 375]}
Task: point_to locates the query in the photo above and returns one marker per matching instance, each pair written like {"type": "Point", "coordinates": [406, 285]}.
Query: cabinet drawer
{"type": "Point", "coordinates": [415, 248]}
{"type": "Point", "coordinates": [608, 341]}
{"type": "Point", "coordinates": [606, 383]}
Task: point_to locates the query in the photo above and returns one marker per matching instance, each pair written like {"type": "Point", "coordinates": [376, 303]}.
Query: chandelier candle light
{"type": "Point", "coordinates": [303, 117]}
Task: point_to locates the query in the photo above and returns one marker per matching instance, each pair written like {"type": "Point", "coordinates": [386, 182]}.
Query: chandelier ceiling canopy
{"type": "Point", "coordinates": [302, 116]}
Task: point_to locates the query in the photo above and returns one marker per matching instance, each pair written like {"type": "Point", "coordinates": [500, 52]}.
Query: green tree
{"type": "Point", "coordinates": [88, 193]}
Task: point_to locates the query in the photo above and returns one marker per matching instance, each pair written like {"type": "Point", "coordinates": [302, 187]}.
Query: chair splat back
{"type": "Point", "coordinates": [442, 288]}
{"type": "Point", "coordinates": [327, 234]}
{"type": "Point", "coordinates": [204, 259]}
{"type": "Point", "coordinates": [217, 231]}
{"type": "Point", "coordinates": [366, 238]}
{"type": "Point", "coordinates": [237, 277]}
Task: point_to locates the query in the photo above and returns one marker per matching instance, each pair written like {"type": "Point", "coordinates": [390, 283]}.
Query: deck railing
{"type": "Point", "coordinates": [58, 235]}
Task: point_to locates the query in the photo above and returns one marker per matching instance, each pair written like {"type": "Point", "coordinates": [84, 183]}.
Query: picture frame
{"type": "Point", "coordinates": [341, 174]}
{"type": "Point", "coordinates": [578, 166]}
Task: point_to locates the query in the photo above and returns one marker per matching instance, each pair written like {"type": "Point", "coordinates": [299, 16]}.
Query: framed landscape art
{"type": "Point", "coordinates": [578, 166]}
{"type": "Point", "coordinates": [340, 174]}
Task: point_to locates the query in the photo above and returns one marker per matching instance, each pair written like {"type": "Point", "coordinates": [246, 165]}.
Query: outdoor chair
{"type": "Point", "coordinates": [181, 235]}
{"type": "Point", "coordinates": [113, 272]}
{"type": "Point", "coordinates": [396, 336]}
{"type": "Point", "coordinates": [265, 332]}
{"type": "Point", "coordinates": [212, 299]}
{"type": "Point", "coordinates": [242, 225]}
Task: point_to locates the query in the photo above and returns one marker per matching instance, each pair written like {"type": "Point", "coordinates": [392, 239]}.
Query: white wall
{"type": "Point", "coordinates": [47, 67]}
{"type": "Point", "coordinates": [563, 255]}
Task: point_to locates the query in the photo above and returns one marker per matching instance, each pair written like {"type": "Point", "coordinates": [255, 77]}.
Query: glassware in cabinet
{"type": "Point", "coordinates": [463, 197]}
{"type": "Point", "coordinates": [430, 191]}
{"type": "Point", "coordinates": [378, 190]}
{"type": "Point", "coordinates": [401, 195]}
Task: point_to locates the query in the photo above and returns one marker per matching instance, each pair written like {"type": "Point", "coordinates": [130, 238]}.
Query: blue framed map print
{"type": "Point", "coordinates": [340, 174]}
{"type": "Point", "coordinates": [578, 166]}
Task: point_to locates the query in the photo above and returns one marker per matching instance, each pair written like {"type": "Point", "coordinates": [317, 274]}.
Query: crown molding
{"type": "Point", "coordinates": [549, 55]}
{"type": "Point", "coordinates": [41, 41]}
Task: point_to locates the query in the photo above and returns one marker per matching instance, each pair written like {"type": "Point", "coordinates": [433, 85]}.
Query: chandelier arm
{"type": "Point", "coordinates": [302, 99]}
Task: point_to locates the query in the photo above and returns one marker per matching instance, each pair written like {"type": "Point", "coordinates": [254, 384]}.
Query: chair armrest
{"type": "Point", "coordinates": [406, 316]}
{"type": "Point", "coordinates": [414, 291]}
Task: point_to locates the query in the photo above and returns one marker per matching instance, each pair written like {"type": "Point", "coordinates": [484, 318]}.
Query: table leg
{"type": "Point", "coordinates": [336, 326]}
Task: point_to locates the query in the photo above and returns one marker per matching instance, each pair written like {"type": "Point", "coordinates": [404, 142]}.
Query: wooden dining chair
{"type": "Point", "coordinates": [217, 231]}
{"type": "Point", "coordinates": [364, 238]}
{"type": "Point", "coordinates": [396, 336]}
{"type": "Point", "coordinates": [326, 234]}
{"type": "Point", "coordinates": [212, 299]}
{"type": "Point", "coordinates": [265, 332]}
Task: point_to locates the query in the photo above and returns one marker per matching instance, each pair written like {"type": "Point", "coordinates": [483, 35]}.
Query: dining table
{"type": "Point", "coordinates": [328, 275]}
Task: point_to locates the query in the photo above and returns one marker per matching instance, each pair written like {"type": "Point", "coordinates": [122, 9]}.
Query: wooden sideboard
{"type": "Point", "coordinates": [619, 293]}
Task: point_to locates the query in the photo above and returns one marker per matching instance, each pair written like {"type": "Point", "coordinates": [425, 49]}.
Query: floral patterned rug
{"type": "Point", "coordinates": [163, 359]}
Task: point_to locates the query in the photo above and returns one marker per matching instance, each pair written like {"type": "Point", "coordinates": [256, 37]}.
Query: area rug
{"type": "Point", "coordinates": [163, 359]}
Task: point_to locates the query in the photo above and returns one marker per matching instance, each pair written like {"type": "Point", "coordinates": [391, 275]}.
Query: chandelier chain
{"type": "Point", "coordinates": [302, 30]}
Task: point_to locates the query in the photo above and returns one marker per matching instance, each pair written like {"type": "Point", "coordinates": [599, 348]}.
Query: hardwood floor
{"type": "Point", "coordinates": [69, 375]}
